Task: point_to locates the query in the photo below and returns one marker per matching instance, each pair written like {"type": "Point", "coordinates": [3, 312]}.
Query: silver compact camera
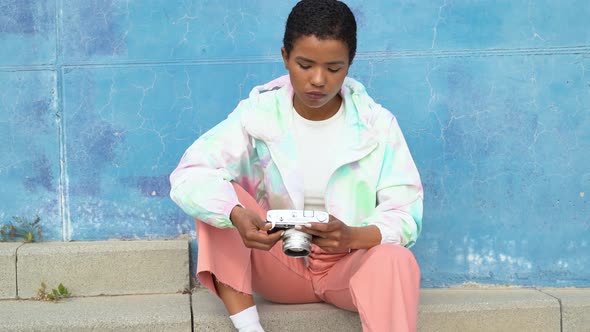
{"type": "Point", "coordinates": [295, 243]}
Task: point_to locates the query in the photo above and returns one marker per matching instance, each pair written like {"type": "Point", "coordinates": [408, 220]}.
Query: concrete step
{"type": "Point", "coordinates": [159, 270]}
{"type": "Point", "coordinates": [103, 267]}
{"type": "Point", "coordinates": [493, 309]}
{"type": "Point", "coordinates": [209, 314]}
{"type": "Point", "coordinates": [162, 312]}
{"type": "Point", "coordinates": [575, 308]}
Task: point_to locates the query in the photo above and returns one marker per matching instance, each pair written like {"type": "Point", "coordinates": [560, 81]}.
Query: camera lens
{"type": "Point", "coordinates": [296, 243]}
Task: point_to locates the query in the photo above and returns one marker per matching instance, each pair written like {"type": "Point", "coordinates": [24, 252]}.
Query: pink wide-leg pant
{"type": "Point", "coordinates": [381, 283]}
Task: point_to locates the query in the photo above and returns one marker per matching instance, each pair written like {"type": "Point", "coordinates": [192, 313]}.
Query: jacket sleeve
{"type": "Point", "coordinates": [398, 214]}
{"type": "Point", "coordinates": [200, 184]}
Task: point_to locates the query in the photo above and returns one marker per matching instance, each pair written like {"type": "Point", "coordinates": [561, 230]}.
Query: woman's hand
{"type": "Point", "coordinates": [333, 236]}
{"type": "Point", "coordinates": [253, 229]}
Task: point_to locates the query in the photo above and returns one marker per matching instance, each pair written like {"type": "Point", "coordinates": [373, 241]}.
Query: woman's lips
{"type": "Point", "coordinates": [315, 95]}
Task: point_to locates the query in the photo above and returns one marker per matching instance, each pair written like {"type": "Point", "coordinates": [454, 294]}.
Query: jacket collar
{"type": "Point", "coordinates": [272, 103]}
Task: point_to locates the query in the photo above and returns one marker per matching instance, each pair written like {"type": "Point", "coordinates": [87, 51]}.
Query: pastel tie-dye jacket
{"type": "Point", "coordinates": [376, 184]}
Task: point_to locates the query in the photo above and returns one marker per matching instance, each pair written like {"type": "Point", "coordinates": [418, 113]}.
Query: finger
{"type": "Point", "coordinates": [318, 227]}
{"type": "Point", "coordinates": [274, 237]}
{"type": "Point", "coordinates": [260, 224]}
{"type": "Point", "coordinates": [312, 231]}
{"type": "Point", "coordinates": [325, 227]}
{"type": "Point", "coordinates": [257, 245]}
{"type": "Point", "coordinates": [263, 237]}
{"type": "Point", "coordinates": [311, 226]}
{"type": "Point", "coordinates": [257, 236]}
{"type": "Point", "coordinates": [267, 241]}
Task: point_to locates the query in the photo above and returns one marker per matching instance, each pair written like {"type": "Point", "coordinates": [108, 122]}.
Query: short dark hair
{"type": "Point", "coordinates": [324, 19]}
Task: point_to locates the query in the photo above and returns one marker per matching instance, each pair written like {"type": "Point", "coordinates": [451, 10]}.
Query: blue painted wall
{"type": "Point", "coordinates": [99, 99]}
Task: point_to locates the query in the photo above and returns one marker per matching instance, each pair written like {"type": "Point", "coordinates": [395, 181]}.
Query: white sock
{"type": "Point", "coordinates": [247, 320]}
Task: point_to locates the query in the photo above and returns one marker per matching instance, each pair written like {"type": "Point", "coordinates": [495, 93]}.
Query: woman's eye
{"type": "Point", "coordinates": [303, 66]}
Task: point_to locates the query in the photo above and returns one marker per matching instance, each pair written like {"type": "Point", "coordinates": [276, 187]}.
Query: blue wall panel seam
{"type": "Point", "coordinates": [15, 69]}
{"type": "Point", "coordinates": [63, 179]}
{"type": "Point", "coordinates": [376, 55]}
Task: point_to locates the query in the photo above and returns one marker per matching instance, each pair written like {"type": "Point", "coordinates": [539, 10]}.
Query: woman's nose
{"type": "Point", "coordinates": [318, 77]}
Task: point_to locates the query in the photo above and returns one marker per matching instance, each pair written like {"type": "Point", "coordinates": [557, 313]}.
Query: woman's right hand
{"type": "Point", "coordinates": [252, 229]}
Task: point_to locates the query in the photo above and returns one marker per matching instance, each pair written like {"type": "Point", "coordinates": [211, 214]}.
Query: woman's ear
{"type": "Point", "coordinates": [285, 57]}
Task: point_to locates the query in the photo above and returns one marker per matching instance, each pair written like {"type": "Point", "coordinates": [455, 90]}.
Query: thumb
{"type": "Point", "coordinates": [266, 226]}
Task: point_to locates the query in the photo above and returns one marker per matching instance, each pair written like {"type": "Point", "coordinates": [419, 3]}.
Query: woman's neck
{"type": "Point", "coordinates": [317, 114]}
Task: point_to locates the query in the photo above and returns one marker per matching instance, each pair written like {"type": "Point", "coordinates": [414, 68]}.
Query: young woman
{"type": "Point", "coordinates": [312, 140]}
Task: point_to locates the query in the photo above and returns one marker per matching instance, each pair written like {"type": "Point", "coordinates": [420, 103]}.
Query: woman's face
{"type": "Point", "coordinates": [317, 69]}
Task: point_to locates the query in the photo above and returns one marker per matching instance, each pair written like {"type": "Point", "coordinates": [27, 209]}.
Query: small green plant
{"type": "Point", "coordinates": [54, 295]}
{"type": "Point", "coordinates": [21, 228]}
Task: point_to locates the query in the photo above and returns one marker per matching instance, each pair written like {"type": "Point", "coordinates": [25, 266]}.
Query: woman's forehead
{"type": "Point", "coordinates": [320, 50]}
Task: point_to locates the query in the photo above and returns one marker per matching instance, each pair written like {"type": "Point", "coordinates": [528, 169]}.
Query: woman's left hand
{"type": "Point", "coordinates": [333, 236]}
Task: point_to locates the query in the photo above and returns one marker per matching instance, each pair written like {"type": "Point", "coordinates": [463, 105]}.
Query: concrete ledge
{"type": "Point", "coordinates": [493, 309]}
{"type": "Point", "coordinates": [119, 313]}
{"type": "Point", "coordinates": [575, 308]}
{"type": "Point", "coordinates": [440, 310]}
{"type": "Point", "coordinates": [104, 267]}
{"type": "Point", "coordinates": [8, 270]}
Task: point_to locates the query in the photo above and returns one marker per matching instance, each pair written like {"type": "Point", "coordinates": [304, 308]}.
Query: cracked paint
{"type": "Point", "coordinates": [494, 102]}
